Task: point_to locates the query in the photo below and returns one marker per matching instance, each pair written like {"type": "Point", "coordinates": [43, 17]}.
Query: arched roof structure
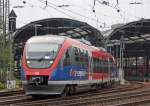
{"type": "Point", "coordinates": [57, 26]}
{"type": "Point", "coordinates": [135, 35]}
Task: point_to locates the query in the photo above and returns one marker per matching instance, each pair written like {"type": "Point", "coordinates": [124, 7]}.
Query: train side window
{"type": "Point", "coordinates": [76, 54]}
{"type": "Point", "coordinates": [67, 54]}
{"type": "Point", "coordinates": [94, 65]}
{"type": "Point", "coordinates": [76, 51]}
{"type": "Point", "coordinates": [86, 56]}
{"type": "Point", "coordinates": [97, 65]}
{"type": "Point", "coordinates": [110, 65]}
{"type": "Point", "coordinates": [104, 66]}
{"type": "Point", "coordinates": [100, 65]}
{"type": "Point", "coordinates": [66, 58]}
{"type": "Point", "coordinates": [81, 58]}
{"type": "Point", "coordinates": [61, 62]}
{"type": "Point", "coordinates": [107, 66]}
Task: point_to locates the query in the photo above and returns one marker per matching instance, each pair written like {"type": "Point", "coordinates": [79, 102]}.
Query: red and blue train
{"type": "Point", "coordinates": [60, 65]}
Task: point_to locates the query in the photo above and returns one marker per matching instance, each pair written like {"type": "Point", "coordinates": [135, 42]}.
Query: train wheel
{"type": "Point", "coordinates": [107, 85]}
{"type": "Point", "coordinates": [111, 84]}
{"type": "Point", "coordinates": [66, 91]}
{"type": "Point", "coordinates": [97, 87]}
{"type": "Point", "coordinates": [72, 90]}
{"type": "Point", "coordinates": [103, 85]}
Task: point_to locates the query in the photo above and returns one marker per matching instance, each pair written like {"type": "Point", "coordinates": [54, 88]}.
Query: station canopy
{"type": "Point", "coordinates": [136, 37]}
{"type": "Point", "coordinates": [56, 26]}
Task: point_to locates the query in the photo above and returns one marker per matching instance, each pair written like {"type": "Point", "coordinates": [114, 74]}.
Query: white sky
{"type": "Point", "coordinates": [81, 10]}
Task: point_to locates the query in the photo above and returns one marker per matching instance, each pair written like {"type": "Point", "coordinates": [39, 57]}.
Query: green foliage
{"type": "Point", "coordinates": [5, 61]}
{"type": "Point", "coordinates": [4, 57]}
{"type": "Point", "coordinates": [18, 83]}
{"type": "Point", "coordinates": [2, 86]}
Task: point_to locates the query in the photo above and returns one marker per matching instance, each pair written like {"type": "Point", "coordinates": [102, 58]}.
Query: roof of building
{"type": "Point", "coordinates": [135, 35]}
{"type": "Point", "coordinates": [58, 26]}
{"type": "Point", "coordinates": [12, 14]}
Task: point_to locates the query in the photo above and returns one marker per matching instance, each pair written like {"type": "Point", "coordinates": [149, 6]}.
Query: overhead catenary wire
{"type": "Point", "coordinates": [55, 8]}
{"type": "Point", "coordinates": [73, 12]}
{"type": "Point", "coordinates": [65, 12]}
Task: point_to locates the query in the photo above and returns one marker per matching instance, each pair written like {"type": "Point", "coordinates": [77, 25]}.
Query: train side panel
{"type": "Point", "coordinates": [75, 65]}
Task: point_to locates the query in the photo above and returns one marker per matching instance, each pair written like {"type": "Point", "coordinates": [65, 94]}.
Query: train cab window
{"type": "Point", "coordinates": [41, 58]}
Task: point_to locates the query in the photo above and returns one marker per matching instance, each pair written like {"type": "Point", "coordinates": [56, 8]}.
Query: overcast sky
{"type": "Point", "coordinates": [82, 10]}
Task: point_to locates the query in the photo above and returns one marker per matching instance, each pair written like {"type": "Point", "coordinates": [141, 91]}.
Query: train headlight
{"type": "Point", "coordinates": [51, 62]}
{"type": "Point", "coordinates": [28, 62]}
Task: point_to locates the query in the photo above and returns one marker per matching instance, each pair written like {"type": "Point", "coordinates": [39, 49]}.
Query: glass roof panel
{"type": "Point", "coordinates": [62, 34]}
{"type": "Point", "coordinates": [76, 35]}
{"type": "Point", "coordinates": [134, 37]}
{"type": "Point", "coordinates": [140, 40]}
{"type": "Point", "coordinates": [78, 29]}
{"type": "Point", "coordinates": [146, 35]}
{"type": "Point", "coordinates": [83, 33]}
{"type": "Point", "coordinates": [70, 32]}
{"type": "Point", "coordinates": [147, 38]}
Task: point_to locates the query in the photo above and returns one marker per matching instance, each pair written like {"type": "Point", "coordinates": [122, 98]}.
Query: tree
{"type": "Point", "coordinates": [5, 57]}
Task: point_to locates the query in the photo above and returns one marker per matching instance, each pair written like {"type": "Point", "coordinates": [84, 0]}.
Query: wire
{"type": "Point", "coordinates": [56, 9]}
{"type": "Point", "coordinates": [73, 12]}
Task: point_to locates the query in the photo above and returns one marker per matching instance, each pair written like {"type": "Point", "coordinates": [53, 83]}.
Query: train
{"type": "Point", "coordinates": [59, 65]}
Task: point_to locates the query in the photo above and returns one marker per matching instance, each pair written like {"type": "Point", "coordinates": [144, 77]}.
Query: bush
{"type": "Point", "coordinates": [18, 83]}
{"type": "Point", "coordinates": [2, 86]}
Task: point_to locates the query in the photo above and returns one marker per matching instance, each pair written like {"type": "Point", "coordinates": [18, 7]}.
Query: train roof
{"type": "Point", "coordinates": [47, 38]}
{"type": "Point", "coordinates": [60, 40]}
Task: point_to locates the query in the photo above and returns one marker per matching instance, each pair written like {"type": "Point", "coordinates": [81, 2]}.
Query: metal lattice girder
{"type": "Point", "coordinates": [57, 26]}
{"type": "Point", "coordinates": [136, 37]}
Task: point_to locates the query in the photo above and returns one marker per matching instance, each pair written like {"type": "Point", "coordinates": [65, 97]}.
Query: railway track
{"type": "Point", "coordinates": [10, 93]}
{"type": "Point", "coordinates": [23, 98]}
{"type": "Point", "coordinates": [112, 100]}
{"type": "Point", "coordinates": [10, 99]}
{"type": "Point", "coordinates": [145, 102]}
{"type": "Point", "coordinates": [76, 99]}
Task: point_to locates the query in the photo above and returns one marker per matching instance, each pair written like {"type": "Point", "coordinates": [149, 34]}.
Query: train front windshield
{"type": "Point", "coordinates": [41, 55]}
